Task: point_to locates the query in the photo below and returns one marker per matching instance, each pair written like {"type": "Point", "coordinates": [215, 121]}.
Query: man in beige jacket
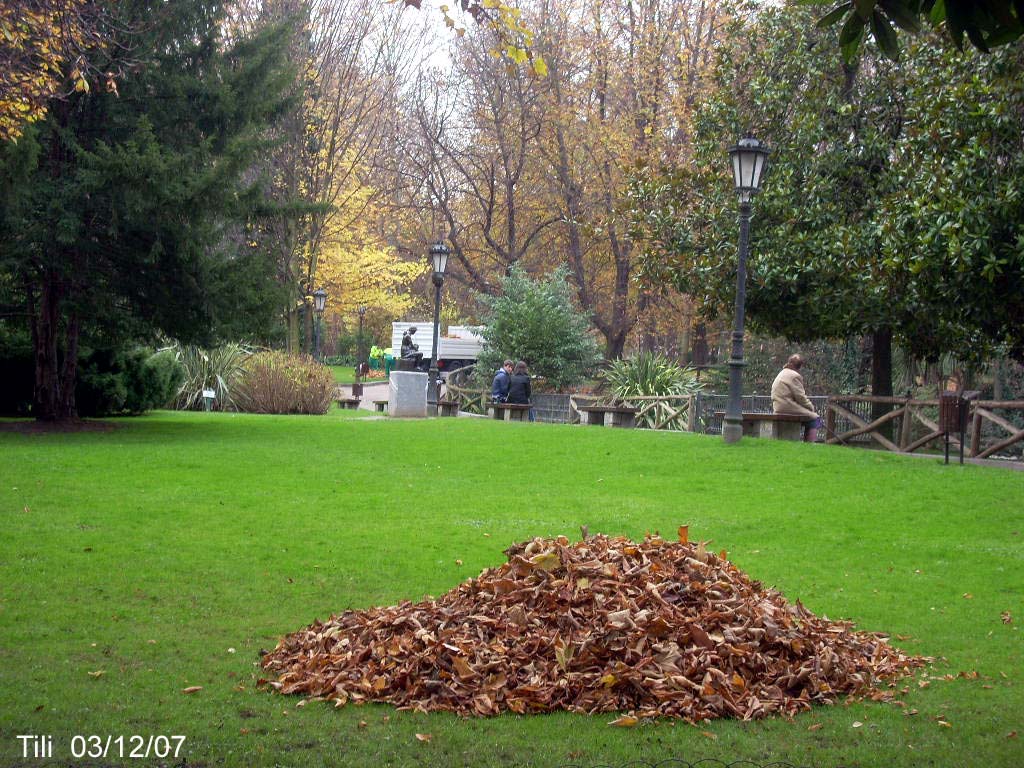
{"type": "Point", "coordinates": [789, 396]}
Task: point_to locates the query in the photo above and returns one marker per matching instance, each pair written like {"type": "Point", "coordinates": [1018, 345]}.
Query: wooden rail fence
{"type": "Point", "coordinates": [908, 416]}
{"type": "Point", "coordinates": [908, 426]}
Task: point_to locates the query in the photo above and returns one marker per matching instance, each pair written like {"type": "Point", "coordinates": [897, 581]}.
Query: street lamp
{"type": "Point", "coordinates": [439, 259]}
{"type": "Point", "coordinates": [357, 388]}
{"type": "Point", "coordinates": [319, 303]}
{"type": "Point", "coordinates": [748, 160]}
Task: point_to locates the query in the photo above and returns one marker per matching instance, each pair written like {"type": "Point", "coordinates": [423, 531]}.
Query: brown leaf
{"type": "Point", "coordinates": [424, 737]}
{"type": "Point", "coordinates": [98, 673]}
{"type": "Point", "coordinates": [192, 689]}
{"type": "Point", "coordinates": [815, 727]}
{"type": "Point", "coordinates": [1006, 617]}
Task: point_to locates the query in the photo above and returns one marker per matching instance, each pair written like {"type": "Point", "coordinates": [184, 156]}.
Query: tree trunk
{"type": "Point", "coordinates": [53, 395]}
{"type": "Point", "coordinates": [881, 376]}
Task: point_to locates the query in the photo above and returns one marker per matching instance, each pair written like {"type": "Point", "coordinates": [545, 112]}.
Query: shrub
{"type": "Point", "coordinates": [126, 381]}
{"type": "Point", "coordinates": [219, 369]}
{"type": "Point", "coordinates": [275, 382]}
{"type": "Point", "coordinates": [536, 321]}
{"type": "Point", "coordinates": [650, 374]}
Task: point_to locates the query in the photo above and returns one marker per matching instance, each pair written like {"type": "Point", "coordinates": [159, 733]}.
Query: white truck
{"type": "Point", "coordinates": [458, 348]}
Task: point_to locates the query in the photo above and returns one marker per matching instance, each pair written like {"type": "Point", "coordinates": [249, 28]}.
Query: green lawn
{"type": "Point", "coordinates": [166, 553]}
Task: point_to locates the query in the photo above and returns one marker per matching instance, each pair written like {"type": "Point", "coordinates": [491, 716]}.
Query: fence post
{"type": "Point", "coordinates": [906, 426]}
{"type": "Point", "coordinates": [830, 419]}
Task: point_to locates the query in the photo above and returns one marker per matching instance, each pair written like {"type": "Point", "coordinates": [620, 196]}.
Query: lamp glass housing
{"type": "Point", "coordinates": [319, 299]}
{"type": "Point", "coordinates": [439, 257]}
{"type": "Point", "coordinates": [749, 158]}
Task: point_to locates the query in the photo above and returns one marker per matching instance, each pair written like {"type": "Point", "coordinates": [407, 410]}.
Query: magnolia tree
{"type": "Point", "coordinates": [536, 321]}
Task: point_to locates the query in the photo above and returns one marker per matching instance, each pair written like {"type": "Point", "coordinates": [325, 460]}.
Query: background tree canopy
{"type": "Point", "coordinates": [890, 207]}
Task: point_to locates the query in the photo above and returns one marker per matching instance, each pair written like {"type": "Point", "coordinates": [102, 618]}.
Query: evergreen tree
{"type": "Point", "coordinates": [537, 322]}
{"type": "Point", "coordinates": [124, 213]}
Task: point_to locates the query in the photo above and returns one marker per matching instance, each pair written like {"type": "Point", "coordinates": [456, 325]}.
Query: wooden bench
{"type": "Point", "coordinates": [508, 411]}
{"type": "Point", "coordinates": [777, 426]}
{"type": "Point", "coordinates": [608, 415]}
{"type": "Point", "coordinates": [447, 407]}
{"type": "Point", "coordinates": [350, 403]}
{"type": "Point", "coordinates": [380, 406]}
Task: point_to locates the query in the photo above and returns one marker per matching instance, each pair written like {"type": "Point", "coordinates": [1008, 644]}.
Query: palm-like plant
{"type": "Point", "coordinates": [219, 369]}
{"type": "Point", "coordinates": [651, 375]}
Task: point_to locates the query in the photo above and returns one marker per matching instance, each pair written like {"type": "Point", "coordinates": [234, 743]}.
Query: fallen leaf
{"type": "Point", "coordinates": [709, 735]}
{"type": "Point", "coordinates": [624, 721]}
{"type": "Point", "coordinates": [98, 673]}
{"type": "Point", "coordinates": [192, 689]}
{"type": "Point", "coordinates": [1006, 617]}
{"type": "Point", "coordinates": [362, 723]}
{"type": "Point", "coordinates": [424, 737]}
{"type": "Point", "coordinates": [857, 723]}
{"type": "Point", "coordinates": [243, 731]}
{"type": "Point", "coordinates": [815, 727]}
{"type": "Point", "coordinates": [1011, 735]}
{"type": "Point", "coordinates": [684, 534]}
{"type": "Point", "coordinates": [944, 724]}
{"type": "Point", "coordinates": [458, 562]}
{"type": "Point", "coordinates": [546, 561]}
{"type": "Point", "coordinates": [968, 596]}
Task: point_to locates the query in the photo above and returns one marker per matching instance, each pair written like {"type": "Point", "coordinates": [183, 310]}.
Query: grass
{"type": "Point", "coordinates": [167, 552]}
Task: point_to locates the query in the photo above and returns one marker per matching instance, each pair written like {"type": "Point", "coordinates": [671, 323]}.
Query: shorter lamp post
{"type": "Point", "coordinates": [748, 160]}
{"type": "Point", "coordinates": [319, 304]}
{"type": "Point", "coordinates": [439, 259]}
{"type": "Point", "coordinates": [357, 388]}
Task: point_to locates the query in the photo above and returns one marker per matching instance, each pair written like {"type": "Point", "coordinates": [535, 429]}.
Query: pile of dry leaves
{"type": "Point", "coordinates": [654, 628]}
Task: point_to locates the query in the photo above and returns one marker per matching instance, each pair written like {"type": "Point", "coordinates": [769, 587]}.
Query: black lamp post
{"type": "Point", "coordinates": [357, 388]}
{"type": "Point", "coordinates": [439, 259]}
{"type": "Point", "coordinates": [748, 160]}
{"type": "Point", "coordinates": [319, 304]}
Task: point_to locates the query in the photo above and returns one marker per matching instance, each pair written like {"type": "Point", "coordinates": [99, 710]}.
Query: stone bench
{"type": "Point", "coordinates": [608, 415]}
{"type": "Point", "coordinates": [508, 411]}
{"type": "Point", "coordinates": [447, 407]}
{"type": "Point", "coordinates": [349, 403]}
{"type": "Point", "coordinates": [777, 426]}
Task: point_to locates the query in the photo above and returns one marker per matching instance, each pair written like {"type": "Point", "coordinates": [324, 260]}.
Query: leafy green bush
{"type": "Point", "coordinates": [219, 369]}
{"type": "Point", "coordinates": [276, 382]}
{"type": "Point", "coordinates": [651, 375]}
{"type": "Point", "coordinates": [126, 381]}
{"type": "Point", "coordinates": [536, 321]}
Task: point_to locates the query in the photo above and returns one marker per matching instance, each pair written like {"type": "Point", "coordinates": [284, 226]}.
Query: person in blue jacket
{"type": "Point", "coordinates": [502, 378]}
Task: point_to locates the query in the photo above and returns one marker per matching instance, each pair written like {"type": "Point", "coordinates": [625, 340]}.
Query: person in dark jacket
{"type": "Point", "coordinates": [519, 389]}
{"type": "Point", "coordinates": [502, 378]}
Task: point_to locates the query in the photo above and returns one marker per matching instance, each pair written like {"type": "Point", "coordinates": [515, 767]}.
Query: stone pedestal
{"type": "Point", "coordinates": [407, 394]}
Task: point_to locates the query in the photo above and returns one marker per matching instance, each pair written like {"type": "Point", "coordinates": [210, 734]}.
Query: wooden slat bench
{"type": "Point", "coordinates": [608, 415]}
{"type": "Point", "coordinates": [350, 403]}
{"type": "Point", "coordinates": [380, 406]}
{"type": "Point", "coordinates": [778, 426]}
{"type": "Point", "coordinates": [508, 411]}
{"type": "Point", "coordinates": [447, 407]}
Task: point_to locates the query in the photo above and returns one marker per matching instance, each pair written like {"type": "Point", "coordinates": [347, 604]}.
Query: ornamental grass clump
{"type": "Point", "coordinates": [656, 629]}
{"type": "Point", "coordinates": [276, 382]}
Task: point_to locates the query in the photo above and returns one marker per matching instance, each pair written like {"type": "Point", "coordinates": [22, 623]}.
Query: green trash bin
{"type": "Point", "coordinates": [389, 364]}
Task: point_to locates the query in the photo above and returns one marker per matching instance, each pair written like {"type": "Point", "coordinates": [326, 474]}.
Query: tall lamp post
{"type": "Point", "coordinates": [748, 160]}
{"type": "Point", "coordinates": [319, 304]}
{"type": "Point", "coordinates": [439, 258]}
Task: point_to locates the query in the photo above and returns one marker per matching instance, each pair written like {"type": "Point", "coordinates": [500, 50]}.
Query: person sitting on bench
{"type": "Point", "coordinates": [502, 378]}
{"type": "Point", "coordinates": [519, 390]}
{"type": "Point", "coordinates": [789, 396]}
